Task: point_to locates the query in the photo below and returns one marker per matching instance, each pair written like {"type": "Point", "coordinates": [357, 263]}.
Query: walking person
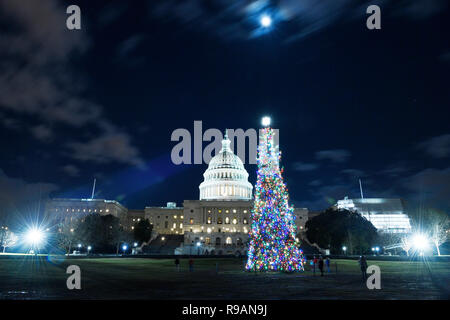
{"type": "Point", "coordinates": [363, 264]}
{"type": "Point", "coordinates": [177, 264]}
{"type": "Point", "coordinates": [321, 266]}
{"type": "Point", "coordinates": [327, 264]}
{"type": "Point", "coordinates": [314, 264]}
{"type": "Point", "coordinates": [191, 265]}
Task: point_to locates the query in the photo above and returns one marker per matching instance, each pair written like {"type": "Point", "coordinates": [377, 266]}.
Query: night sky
{"type": "Point", "coordinates": [102, 102]}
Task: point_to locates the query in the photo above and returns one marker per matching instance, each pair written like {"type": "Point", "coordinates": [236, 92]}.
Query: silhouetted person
{"type": "Point", "coordinates": [314, 261]}
{"type": "Point", "coordinates": [321, 266]}
{"type": "Point", "coordinates": [177, 264]}
{"type": "Point", "coordinates": [363, 264]}
{"type": "Point", "coordinates": [191, 264]}
{"type": "Point", "coordinates": [327, 263]}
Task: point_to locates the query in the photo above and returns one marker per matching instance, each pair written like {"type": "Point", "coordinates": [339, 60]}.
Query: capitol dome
{"type": "Point", "coordinates": [226, 177]}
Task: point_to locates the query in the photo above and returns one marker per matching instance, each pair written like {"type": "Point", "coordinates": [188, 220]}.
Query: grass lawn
{"type": "Point", "coordinates": [29, 277]}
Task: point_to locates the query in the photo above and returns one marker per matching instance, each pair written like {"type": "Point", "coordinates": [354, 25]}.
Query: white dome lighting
{"type": "Point", "coordinates": [226, 177]}
{"type": "Point", "coordinates": [266, 121]}
{"type": "Point", "coordinates": [266, 21]}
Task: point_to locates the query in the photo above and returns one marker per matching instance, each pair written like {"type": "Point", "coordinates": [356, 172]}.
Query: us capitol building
{"type": "Point", "coordinates": [217, 223]}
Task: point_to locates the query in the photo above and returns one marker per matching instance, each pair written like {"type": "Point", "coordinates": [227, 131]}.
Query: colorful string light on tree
{"type": "Point", "coordinates": [273, 244]}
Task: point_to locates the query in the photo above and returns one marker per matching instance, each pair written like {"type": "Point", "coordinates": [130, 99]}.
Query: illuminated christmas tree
{"type": "Point", "coordinates": [273, 244]}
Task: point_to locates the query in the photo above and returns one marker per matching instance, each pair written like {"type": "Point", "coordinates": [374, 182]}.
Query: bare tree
{"type": "Point", "coordinates": [439, 233]}
{"type": "Point", "coordinates": [433, 223]}
{"type": "Point", "coordinates": [66, 237]}
{"type": "Point", "coordinates": [406, 245]}
{"type": "Point", "coordinates": [7, 238]}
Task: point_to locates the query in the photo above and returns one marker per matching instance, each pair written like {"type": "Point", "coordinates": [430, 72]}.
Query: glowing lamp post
{"type": "Point", "coordinates": [124, 248]}
{"type": "Point", "coordinates": [344, 248]}
{"type": "Point", "coordinates": [265, 121]}
{"type": "Point", "coordinates": [35, 238]}
{"type": "Point", "coordinates": [89, 248]}
{"type": "Point", "coordinates": [420, 243]}
{"type": "Point", "coordinates": [199, 244]}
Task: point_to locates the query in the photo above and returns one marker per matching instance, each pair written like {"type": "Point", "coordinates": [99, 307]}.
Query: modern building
{"type": "Point", "coordinates": [387, 215]}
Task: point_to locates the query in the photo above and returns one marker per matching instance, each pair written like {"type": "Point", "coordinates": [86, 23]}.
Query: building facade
{"type": "Point", "coordinates": [68, 210]}
{"type": "Point", "coordinates": [387, 215]}
{"type": "Point", "coordinates": [217, 223]}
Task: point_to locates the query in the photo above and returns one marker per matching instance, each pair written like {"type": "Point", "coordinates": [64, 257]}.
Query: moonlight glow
{"type": "Point", "coordinates": [266, 21]}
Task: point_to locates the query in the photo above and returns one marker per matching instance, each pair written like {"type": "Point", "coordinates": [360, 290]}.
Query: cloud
{"type": "Point", "coordinates": [239, 19]}
{"type": "Point", "coordinates": [420, 9]}
{"type": "Point", "coordinates": [301, 166]}
{"type": "Point", "coordinates": [336, 155]}
{"type": "Point", "coordinates": [395, 170]}
{"type": "Point", "coordinates": [437, 147]}
{"type": "Point", "coordinates": [38, 79]}
{"type": "Point", "coordinates": [71, 170]}
{"type": "Point", "coordinates": [126, 52]}
{"type": "Point", "coordinates": [38, 23]}
{"type": "Point", "coordinates": [354, 173]}
{"type": "Point", "coordinates": [445, 57]}
{"type": "Point", "coordinates": [41, 132]}
{"type": "Point", "coordinates": [327, 195]}
{"type": "Point", "coordinates": [429, 187]}
{"type": "Point", "coordinates": [129, 45]}
{"type": "Point", "coordinates": [226, 19]}
{"type": "Point", "coordinates": [315, 183]}
{"type": "Point", "coordinates": [17, 194]}
{"type": "Point", "coordinates": [111, 12]}
{"type": "Point", "coordinates": [9, 123]}
{"type": "Point", "coordinates": [110, 147]}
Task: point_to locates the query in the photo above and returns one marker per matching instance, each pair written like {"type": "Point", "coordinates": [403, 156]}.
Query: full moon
{"type": "Point", "coordinates": [266, 21]}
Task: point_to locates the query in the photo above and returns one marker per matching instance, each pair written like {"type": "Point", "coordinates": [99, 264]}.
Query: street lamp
{"type": "Point", "coordinates": [344, 248]}
{"type": "Point", "coordinates": [89, 248]}
{"type": "Point", "coordinates": [135, 244]}
{"type": "Point", "coordinates": [377, 249]}
{"type": "Point", "coordinates": [198, 247]}
{"type": "Point", "coordinates": [420, 243]}
{"type": "Point", "coordinates": [34, 237]}
{"type": "Point", "coordinates": [124, 248]}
